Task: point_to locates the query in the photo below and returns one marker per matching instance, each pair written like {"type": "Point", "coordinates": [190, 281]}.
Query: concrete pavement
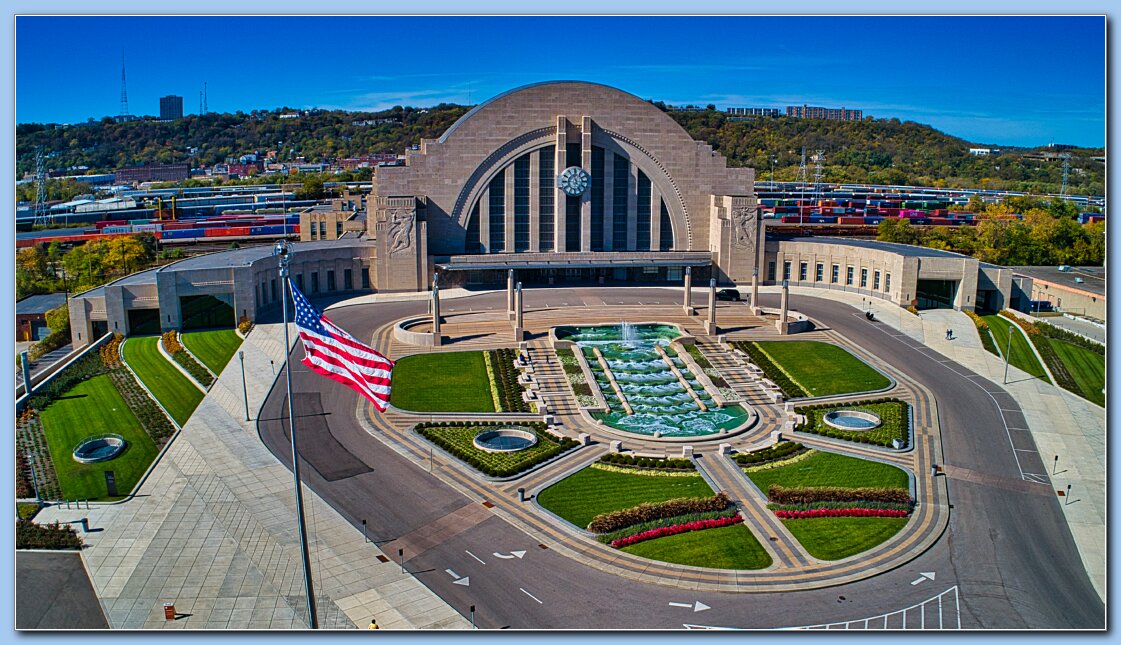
{"type": "Point", "coordinates": [1061, 423]}
{"type": "Point", "coordinates": [212, 530]}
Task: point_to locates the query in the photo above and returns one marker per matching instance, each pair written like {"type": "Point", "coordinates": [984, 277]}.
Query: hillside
{"type": "Point", "coordinates": [880, 151]}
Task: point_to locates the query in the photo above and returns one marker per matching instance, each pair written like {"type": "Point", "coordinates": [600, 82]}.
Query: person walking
{"type": "Point", "coordinates": [949, 334]}
{"type": "Point", "coordinates": [373, 624]}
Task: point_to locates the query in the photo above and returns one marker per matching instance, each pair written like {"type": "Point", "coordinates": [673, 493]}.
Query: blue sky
{"type": "Point", "coordinates": [1000, 80]}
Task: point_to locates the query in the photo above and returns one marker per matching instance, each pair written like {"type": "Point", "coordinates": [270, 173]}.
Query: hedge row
{"type": "Point", "coordinates": [789, 388]}
{"type": "Point", "coordinates": [171, 343]}
{"type": "Point", "coordinates": [620, 459]}
{"type": "Point", "coordinates": [898, 506]}
{"type": "Point", "coordinates": [777, 452]}
{"type": "Point", "coordinates": [151, 417]}
{"type": "Point", "coordinates": [1038, 327]}
{"type": "Point", "coordinates": [494, 464]}
{"type": "Point", "coordinates": [608, 538]}
{"type": "Point", "coordinates": [983, 330]}
{"type": "Point", "coordinates": [840, 512]}
{"type": "Point", "coordinates": [676, 529]}
{"type": "Point", "coordinates": [505, 376]}
{"type": "Point", "coordinates": [110, 352]}
{"type": "Point", "coordinates": [645, 512]}
{"type": "Point", "coordinates": [783, 495]}
{"type": "Point", "coordinates": [30, 535]}
{"type": "Point", "coordinates": [892, 413]}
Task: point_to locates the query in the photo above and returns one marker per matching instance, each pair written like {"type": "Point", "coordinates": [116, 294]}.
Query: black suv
{"type": "Point", "coordinates": [728, 294]}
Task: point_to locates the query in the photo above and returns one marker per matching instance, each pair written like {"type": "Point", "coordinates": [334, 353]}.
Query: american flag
{"type": "Point", "coordinates": [330, 351]}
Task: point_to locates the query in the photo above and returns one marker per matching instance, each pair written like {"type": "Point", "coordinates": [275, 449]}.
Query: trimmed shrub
{"type": "Point", "coordinates": [30, 535]}
{"type": "Point", "coordinates": [245, 326]}
{"type": "Point", "coordinates": [892, 413]}
{"type": "Point", "coordinates": [676, 529]}
{"type": "Point", "coordinates": [983, 329]}
{"type": "Point", "coordinates": [608, 538]}
{"type": "Point", "coordinates": [840, 512]}
{"type": "Point", "coordinates": [780, 451]}
{"type": "Point", "coordinates": [615, 520]}
{"type": "Point", "coordinates": [620, 459]}
{"type": "Point", "coordinates": [783, 495]}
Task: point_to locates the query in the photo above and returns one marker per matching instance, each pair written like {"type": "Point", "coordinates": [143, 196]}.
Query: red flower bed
{"type": "Point", "coordinates": [676, 529]}
{"type": "Point", "coordinates": [840, 512]}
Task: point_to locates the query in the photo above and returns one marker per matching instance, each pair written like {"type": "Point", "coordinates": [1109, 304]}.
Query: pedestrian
{"type": "Point", "coordinates": [373, 624]}
{"type": "Point", "coordinates": [949, 334]}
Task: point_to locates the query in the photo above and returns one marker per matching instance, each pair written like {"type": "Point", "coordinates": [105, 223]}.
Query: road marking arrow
{"type": "Point", "coordinates": [697, 606]}
{"type": "Point", "coordinates": [466, 581]}
{"type": "Point", "coordinates": [924, 575]}
{"type": "Point", "coordinates": [516, 554]}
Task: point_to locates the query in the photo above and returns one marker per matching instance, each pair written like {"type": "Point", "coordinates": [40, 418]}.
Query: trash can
{"type": "Point", "coordinates": [169, 611]}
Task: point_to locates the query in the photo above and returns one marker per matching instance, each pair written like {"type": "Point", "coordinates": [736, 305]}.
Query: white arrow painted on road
{"type": "Point", "coordinates": [697, 606]}
{"type": "Point", "coordinates": [924, 575]}
{"type": "Point", "coordinates": [516, 554]}
{"type": "Point", "coordinates": [463, 581]}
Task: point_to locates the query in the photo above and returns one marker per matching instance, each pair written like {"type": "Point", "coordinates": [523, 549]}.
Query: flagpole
{"type": "Point", "coordinates": [281, 251]}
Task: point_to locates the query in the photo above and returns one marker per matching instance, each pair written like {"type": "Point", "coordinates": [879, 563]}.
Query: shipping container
{"type": "Point", "coordinates": [117, 229]}
{"type": "Point", "coordinates": [850, 220]}
{"type": "Point", "coordinates": [138, 228]}
{"type": "Point", "coordinates": [184, 234]}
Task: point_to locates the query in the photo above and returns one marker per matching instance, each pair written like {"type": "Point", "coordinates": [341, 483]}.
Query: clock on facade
{"type": "Point", "coordinates": [573, 181]}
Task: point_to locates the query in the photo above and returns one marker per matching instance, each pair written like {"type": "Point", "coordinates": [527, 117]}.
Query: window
{"type": "Point", "coordinates": [572, 223]}
{"type": "Point", "coordinates": [521, 204]}
{"type": "Point", "coordinates": [272, 288]}
{"type": "Point", "coordinates": [497, 211]}
{"type": "Point", "coordinates": [314, 230]}
{"type": "Point", "coordinates": [848, 276]}
{"type": "Point", "coordinates": [836, 275]}
{"type": "Point", "coordinates": [642, 235]}
{"type": "Point", "coordinates": [330, 281]}
{"type": "Point", "coordinates": [666, 243]}
{"type": "Point", "coordinates": [770, 272]}
{"type": "Point", "coordinates": [802, 266]}
{"type": "Point", "coordinates": [473, 245]}
{"type": "Point", "coordinates": [620, 195]}
{"type": "Point", "coordinates": [887, 282]}
{"type": "Point", "coordinates": [820, 275]}
{"type": "Point", "coordinates": [597, 198]}
{"type": "Point", "coordinates": [876, 281]}
{"type": "Point", "coordinates": [786, 270]}
{"type": "Point", "coordinates": [348, 279]}
{"type": "Point", "coordinates": [263, 298]}
{"type": "Point", "coordinates": [315, 282]}
{"type": "Point", "coordinates": [864, 278]}
{"type": "Point", "coordinates": [338, 228]}
{"type": "Point", "coordinates": [300, 281]}
{"type": "Point", "coordinates": [365, 277]}
{"type": "Point", "coordinates": [546, 191]}
{"type": "Point", "coordinates": [322, 230]}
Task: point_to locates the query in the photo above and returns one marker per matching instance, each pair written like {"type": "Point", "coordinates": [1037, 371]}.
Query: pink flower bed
{"type": "Point", "coordinates": [840, 512]}
{"type": "Point", "coordinates": [663, 531]}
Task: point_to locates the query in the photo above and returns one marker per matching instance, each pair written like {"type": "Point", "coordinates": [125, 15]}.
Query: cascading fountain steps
{"type": "Point", "coordinates": [648, 389]}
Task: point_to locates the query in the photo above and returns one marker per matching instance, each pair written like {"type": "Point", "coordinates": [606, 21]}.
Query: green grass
{"type": "Point", "coordinates": [460, 442]}
{"type": "Point", "coordinates": [728, 547]}
{"type": "Point", "coordinates": [832, 469]}
{"type": "Point", "coordinates": [581, 496]}
{"type": "Point", "coordinates": [1085, 367]}
{"type": "Point", "coordinates": [177, 394]}
{"type": "Point", "coordinates": [214, 348]}
{"type": "Point", "coordinates": [892, 414]}
{"type": "Point", "coordinates": [823, 369]}
{"type": "Point", "coordinates": [834, 538]}
{"type": "Point", "coordinates": [1022, 355]}
{"type": "Point", "coordinates": [442, 382]}
{"type": "Point", "coordinates": [95, 407]}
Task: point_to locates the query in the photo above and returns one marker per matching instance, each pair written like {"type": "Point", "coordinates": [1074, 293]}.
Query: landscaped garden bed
{"type": "Point", "coordinates": [575, 376]}
{"type": "Point", "coordinates": [214, 347]}
{"type": "Point", "coordinates": [178, 395]}
{"type": "Point", "coordinates": [813, 368]}
{"type": "Point", "coordinates": [893, 414]}
{"type": "Point", "coordinates": [1078, 364]}
{"type": "Point", "coordinates": [173, 347]}
{"type": "Point", "coordinates": [30, 535]}
{"type": "Point", "coordinates": [457, 438]}
{"type": "Point", "coordinates": [458, 382]}
{"type": "Point", "coordinates": [1022, 355]}
{"type": "Point", "coordinates": [504, 380]}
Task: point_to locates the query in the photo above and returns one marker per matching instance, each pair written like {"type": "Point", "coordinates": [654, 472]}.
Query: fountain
{"type": "Point", "coordinates": [629, 332]}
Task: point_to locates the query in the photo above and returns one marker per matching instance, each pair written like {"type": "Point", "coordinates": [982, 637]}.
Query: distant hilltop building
{"type": "Point", "coordinates": [753, 111]}
{"type": "Point", "coordinates": [171, 108]}
{"type": "Point", "coordinates": [828, 114]}
{"type": "Point", "coordinates": [984, 152]}
{"type": "Point", "coordinates": [155, 172]}
{"type": "Point", "coordinates": [1061, 146]}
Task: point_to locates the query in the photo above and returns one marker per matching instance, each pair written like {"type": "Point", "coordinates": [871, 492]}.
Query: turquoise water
{"type": "Point", "coordinates": [659, 400]}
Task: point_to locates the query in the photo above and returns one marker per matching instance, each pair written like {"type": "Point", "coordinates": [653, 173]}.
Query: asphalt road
{"type": "Point", "coordinates": [1007, 546]}
{"type": "Point", "coordinates": [54, 592]}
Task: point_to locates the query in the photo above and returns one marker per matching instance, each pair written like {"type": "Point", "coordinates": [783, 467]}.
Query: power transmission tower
{"type": "Point", "coordinates": [802, 178]}
{"type": "Point", "coordinates": [124, 91]}
{"type": "Point", "coordinates": [42, 216]}
{"type": "Point", "coordinates": [818, 172]}
{"type": "Point", "coordinates": [1066, 173]}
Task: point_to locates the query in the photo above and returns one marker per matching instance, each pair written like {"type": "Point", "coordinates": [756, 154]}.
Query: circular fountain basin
{"type": "Point", "coordinates": [851, 420]}
{"type": "Point", "coordinates": [505, 440]}
{"type": "Point", "coordinates": [97, 449]}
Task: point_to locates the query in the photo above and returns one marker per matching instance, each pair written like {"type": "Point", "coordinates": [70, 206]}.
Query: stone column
{"type": "Point", "coordinates": [783, 325]}
{"type": "Point", "coordinates": [510, 294]}
{"type": "Point", "coordinates": [586, 198]}
{"type": "Point", "coordinates": [755, 290]}
{"type": "Point", "coordinates": [710, 324]}
{"type": "Point", "coordinates": [655, 219]}
{"type": "Point", "coordinates": [688, 304]}
{"type": "Point", "coordinates": [437, 339]}
{"type": "Point", "coordinates": [519, 330]}
{"type": "Point", "coordinates": [560, 203]}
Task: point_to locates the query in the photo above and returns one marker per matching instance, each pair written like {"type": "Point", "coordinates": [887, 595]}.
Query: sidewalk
{"type": "Point", "coordinates": [1060, 422]}
{"type": "Point", "coordinates": [212, 530]}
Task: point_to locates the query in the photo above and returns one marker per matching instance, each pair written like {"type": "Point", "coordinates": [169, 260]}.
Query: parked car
{"type": "Point", "coordinates": [728, 294]}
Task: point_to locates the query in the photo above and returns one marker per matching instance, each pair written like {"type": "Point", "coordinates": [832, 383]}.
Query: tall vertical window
{"type": "Point", "coordinates": [330, 280]}
{"type": "Point", "coordinates": [770, 271]}
{"type": "Point", "coordinates": [572, 223]}
{"type": "Point", "coordinates": [666, 243]}
{"type": "Point", "coordinates": [802, 268]}
{"type": "Point", "coordinates": [300, 281]}
{"type": "Point", "coordinates": [786, 270]}
{"type": "Point", "coordinates": [272, 288]}
{"type": "Point", "coordinates": [876, 281]}
{"type": "Point", "coordinates": [887, 281]}
{"type": "Point", "coordinates": [546, 191]}
{"type": "Point", "coordinates": [315, 282]}
{"type": "Point", "coordinates": [619, 203]}
{"type": "Point", "coordinates": [864, 278]}
{"type": "Point", "coordinates": [848, 276]}
{"type": "Point", "coordinates": [497, 210]}
{"type": "Point", "coordinates": [642, 238]}
{"type": "Point", "coordinates": [820, 274]}
{"type": "Point", "coordinates": [473, 245]}
{"type": "Point", "coordinates": [365, 277]}
{"type": "Point", "coordinates": [836, 275]}
{"type": "Point", "coordinates": [597, 198]}
{"type": "Point", "coordinates": [521, 204]}
{"type": "Point", "coordinates": [348, 279]}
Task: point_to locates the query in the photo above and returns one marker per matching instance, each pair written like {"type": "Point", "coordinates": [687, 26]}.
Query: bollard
{"type": "Point", "coordinates": [616, 446]}
{"type": "Point", "coordinates": [168, 611]}
{"type": "Point", "coordinates": [521, 494]}
{"type": "Point", "coordinates": [85, 525]}
{"type": "Point", "coordinates": [934, 470]}
{"type": "Point", "coordinates": [686, 452]}
{"type": "Point", "coordinates": [364, 538]}
{"type": "Point", "coordinates": [401, 556]}
{"type": "Point", "coordinates": [585, 439]}
{"type": "Point", "coordinates": [473, 617]}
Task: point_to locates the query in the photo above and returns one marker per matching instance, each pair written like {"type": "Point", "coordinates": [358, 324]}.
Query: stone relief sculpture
{"type": "Point", "coordinates": [400, 230]}
{"type": "Point", "coordinates": [743, 225]}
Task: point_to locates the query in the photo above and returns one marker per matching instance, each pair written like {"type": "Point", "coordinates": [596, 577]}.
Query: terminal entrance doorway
{"type": "Point", "coordinates": [936, 294]}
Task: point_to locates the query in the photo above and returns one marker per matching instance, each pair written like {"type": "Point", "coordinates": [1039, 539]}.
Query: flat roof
{"type": "Point", "coordinates": [595, 259]}
{"type": "Point", "coordinates": [1093, 278]}
{"type": "Point", "coordinates": [905, 250]}
{"type": "Point", "coordinates": [249, 255]}
{"type": "Point", "coordinates": [39, 304]}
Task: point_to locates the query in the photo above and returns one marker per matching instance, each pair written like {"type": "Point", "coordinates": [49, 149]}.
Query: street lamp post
{"type": "Point", "coordinates": [244, 390]}
{"type": "Point", "coordinates": [1007, 354]}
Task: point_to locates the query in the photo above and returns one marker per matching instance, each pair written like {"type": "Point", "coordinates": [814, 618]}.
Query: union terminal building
{"type": "Point", "coordinates": [563, 182]}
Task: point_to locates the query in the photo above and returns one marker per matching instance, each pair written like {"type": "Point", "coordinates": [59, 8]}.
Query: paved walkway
{"type": "Point", "coordinates": [212, 531]}
{"type": "Point", "coordinates": [1060, 422]}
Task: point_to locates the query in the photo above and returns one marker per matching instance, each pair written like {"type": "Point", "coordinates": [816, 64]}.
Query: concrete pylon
{"type": "Point", "coordinates": [437, 338]}
{"type": "Point", "coordinates": [710, 324]}
{"type": "Point", "coordinates": [783, 324]}
{"type": "Point", "coordinates": [688, 304]}
{"type": "Point", "coordinates": [510, 293]}
{"type": "Point", "coordinates": [519, 329]}
{"type": "Point", "coordinates": [755, 291]}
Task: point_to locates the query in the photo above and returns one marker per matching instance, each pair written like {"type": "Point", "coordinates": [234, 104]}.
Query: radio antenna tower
{"type": "Point", "coordinates": [205, 107]}
{"type": "Point", "coordinates": [818, 171]}
{"type": "Point", "coordinates": [42, 217]}
{"type": "Point", "coordinates": [200, 102]}
{"type": "Point", "coordinates": [802, 178]}
{"type": "Point", "coordinates": [124, 91]}
{"type": "Point", "coordinates": [1066, 173]}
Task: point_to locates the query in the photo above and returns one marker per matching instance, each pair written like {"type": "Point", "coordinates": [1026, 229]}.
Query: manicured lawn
{"type": "Point", "coordinates": [460, 442]}
{"type": "Point", "coordinates": [214, 348]}
{"type": "Point", "coordinates": [442, 382]}
{"type": "Point", "coordinates": [1022, 355]}
{"type": "Point", "coordinates": [94, 407]}
{"type": "Point", "coordinates": [587, 493]}
{"type": "Point", "coordinates": [1086, 367]}
{"type": "Point", "coordinates": [839, 537]}
{"type": "Point", "coordinates": [728, 547]}
{"type": "Point", "coordinates": [831, 469]}
{"type": "Point", "coordinates": [892, 414]}
{"type": "Point", "coordinates": [823, 369]}
{"type": "Point", "coordinates": [174, 391]}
